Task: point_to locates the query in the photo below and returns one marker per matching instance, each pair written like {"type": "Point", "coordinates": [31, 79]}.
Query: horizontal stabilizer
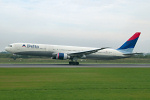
{"type": "Point", "coordinates": [133, 54]}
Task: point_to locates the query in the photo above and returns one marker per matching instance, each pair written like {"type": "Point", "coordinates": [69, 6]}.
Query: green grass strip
{"type": "Point", "coordinates": [74, 83]}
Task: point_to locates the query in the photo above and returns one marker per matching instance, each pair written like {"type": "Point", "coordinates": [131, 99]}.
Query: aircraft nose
{"type": "Point", "coordinates": [6, 49]}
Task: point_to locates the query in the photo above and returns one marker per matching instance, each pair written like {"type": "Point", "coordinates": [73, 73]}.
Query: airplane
{"type": "Point", "coordinates": [73, 53]}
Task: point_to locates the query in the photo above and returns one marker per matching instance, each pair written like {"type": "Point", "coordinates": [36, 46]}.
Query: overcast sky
{"type": "Point", "coordinates": [89, 23]}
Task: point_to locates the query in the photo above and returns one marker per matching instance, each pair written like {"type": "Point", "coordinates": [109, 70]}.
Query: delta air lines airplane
{"type": "Point", "coordinates": [73, 53]}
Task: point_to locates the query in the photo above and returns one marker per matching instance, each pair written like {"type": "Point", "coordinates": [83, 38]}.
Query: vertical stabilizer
{"type": "Point", "coordinates": [129, 45]}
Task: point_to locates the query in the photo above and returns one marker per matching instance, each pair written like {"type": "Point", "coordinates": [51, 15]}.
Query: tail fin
{"type": "Point", "coordinates": [129, 45]}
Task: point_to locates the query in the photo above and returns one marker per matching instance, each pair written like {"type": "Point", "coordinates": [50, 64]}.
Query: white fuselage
{"type": "Point", "coordinates": [49, 50]}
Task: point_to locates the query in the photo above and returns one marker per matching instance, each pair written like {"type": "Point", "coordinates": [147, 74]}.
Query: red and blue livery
{"type": "Point", "coordinates": [129, 45]}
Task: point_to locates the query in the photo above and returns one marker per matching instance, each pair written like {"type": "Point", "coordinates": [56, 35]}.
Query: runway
{"type": "Point", "coordinates": [74, 66]}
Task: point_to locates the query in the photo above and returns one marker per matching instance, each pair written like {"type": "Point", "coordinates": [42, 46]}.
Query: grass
{"type": "Point", "coordinates": [74, 83]}
{"type": "Point", "coordinates": [52, 61]}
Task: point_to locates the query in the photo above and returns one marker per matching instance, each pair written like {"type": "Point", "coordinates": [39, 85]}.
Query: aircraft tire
{"type": "Point", "coordinates": [77, 63]}
{"type": "Point", "coordinates": [73, 63]}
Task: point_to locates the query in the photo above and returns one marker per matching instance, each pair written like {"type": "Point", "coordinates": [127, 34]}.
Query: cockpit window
{"type": "Point", "coordinates": [9, 45]}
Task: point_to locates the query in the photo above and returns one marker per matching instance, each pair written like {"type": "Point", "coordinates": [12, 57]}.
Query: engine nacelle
{"type": "Point", "coordinates": [62, 56]}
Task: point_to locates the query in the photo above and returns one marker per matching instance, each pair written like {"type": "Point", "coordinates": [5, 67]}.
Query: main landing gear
{"type": "Point", "coordinates": [73, 63]}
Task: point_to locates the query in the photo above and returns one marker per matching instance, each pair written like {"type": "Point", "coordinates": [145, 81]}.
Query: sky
{"type": "Point", "coordinates": [88, 23]}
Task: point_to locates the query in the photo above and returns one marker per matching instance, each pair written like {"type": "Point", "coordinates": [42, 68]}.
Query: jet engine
{"type": "Point", "coordinates": [62, 56]}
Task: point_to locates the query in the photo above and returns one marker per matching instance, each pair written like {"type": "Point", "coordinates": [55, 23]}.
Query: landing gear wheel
{"type": "Point", "coordinates": [73, 63]}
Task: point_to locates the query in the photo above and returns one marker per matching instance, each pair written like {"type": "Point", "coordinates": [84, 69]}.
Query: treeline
{"type": "Point", "coordinates": [9, 55]}
{"type": "Point", "coordinates": [141, 56]}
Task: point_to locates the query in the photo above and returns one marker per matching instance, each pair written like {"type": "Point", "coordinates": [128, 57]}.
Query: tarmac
{"type": "Point", "coordinates": [74, 66]}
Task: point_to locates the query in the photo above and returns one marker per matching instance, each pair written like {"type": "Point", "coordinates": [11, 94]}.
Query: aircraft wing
{"type": "Point", "coordinates": [82, 53]}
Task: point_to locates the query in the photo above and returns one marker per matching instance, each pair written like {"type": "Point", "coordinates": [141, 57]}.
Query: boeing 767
{"type": "Point", "coordinates": [73, 53]}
